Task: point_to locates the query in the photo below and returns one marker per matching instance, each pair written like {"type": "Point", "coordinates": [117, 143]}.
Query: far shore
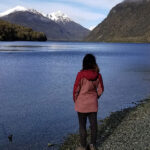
{"type": "Point", "coordinates": [82, 41]}
{"type": "Point", "coordinates": [127, 129]}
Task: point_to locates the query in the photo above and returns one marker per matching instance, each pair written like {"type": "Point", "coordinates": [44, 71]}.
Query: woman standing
{"type": "Point", "coordinates": [88, 88]}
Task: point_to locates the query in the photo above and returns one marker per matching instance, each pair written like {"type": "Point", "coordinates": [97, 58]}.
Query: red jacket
{"type": "Point", "coordinates": [88, 88]}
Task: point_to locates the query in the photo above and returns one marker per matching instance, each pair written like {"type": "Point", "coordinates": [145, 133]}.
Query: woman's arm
{"type": "Point", "coordinates": [100, 88]}
{"type": "Point", "coordinates": [77, 87]}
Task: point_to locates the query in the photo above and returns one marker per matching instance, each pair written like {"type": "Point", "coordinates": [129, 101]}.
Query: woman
{"type": "Point", "coordinates": [88, 88]}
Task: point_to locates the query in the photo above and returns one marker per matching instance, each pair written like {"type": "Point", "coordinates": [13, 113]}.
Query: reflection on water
{"type": "Point", "coordinates": [36, 82]}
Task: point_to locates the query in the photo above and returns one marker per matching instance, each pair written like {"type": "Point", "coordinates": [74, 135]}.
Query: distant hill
{"type": "Point", "coordinates": [56, 26]}
{"type": "Point", "coordinates": [12, 32]}
{"type": "Point", "coordinates": [129, 21]}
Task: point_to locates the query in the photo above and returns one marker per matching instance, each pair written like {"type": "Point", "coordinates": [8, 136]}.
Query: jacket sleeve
{"type": "Point", "coordinates": [100, 88]}
{"type": "Point", "coordinates": [77, 87]}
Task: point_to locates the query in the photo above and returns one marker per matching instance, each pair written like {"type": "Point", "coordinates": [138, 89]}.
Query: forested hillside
{"type": "Point", "coordinates": [127, 22]}
{"type": "Point", "coordinates": [12, 32]}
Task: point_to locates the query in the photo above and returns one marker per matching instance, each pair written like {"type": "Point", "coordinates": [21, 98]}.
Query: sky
{"type": "Point", "coordinates": [88, 13]}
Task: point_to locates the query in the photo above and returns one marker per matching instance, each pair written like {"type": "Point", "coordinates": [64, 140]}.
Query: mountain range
{"type": "Point", "coordinates": [126, 22]}
{"type": "Point", "coordinates": [56, 25]}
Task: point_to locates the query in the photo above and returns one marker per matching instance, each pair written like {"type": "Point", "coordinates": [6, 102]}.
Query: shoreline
{"type": "Point", "coordinates": [125, 129]}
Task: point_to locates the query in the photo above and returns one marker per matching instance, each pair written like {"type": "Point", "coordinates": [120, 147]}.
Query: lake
{"type": "Point", "coordinates": [36, 84]}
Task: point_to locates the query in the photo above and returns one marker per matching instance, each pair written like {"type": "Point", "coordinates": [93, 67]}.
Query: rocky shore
{"type": "Point", "coordinates": [128, 129]}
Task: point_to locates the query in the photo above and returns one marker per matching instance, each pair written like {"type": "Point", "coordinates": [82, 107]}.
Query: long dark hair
{"type": "Point", "coordinates": [89, 62]}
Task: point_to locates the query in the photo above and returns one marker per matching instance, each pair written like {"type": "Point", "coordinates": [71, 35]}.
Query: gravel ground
{"type": "Point", "coordinates": [128, 129]}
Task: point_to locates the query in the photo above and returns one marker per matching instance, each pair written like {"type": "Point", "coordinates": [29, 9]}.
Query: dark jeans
{"type": "Point", "coordinates": [82, 127]}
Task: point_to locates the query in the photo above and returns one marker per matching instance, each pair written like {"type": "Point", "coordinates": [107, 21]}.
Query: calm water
{"type": "Point", "coordinates": [36, 82]}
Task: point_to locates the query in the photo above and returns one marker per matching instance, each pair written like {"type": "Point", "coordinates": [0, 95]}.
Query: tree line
{"type": "Point", "coordinates": [13, 32]}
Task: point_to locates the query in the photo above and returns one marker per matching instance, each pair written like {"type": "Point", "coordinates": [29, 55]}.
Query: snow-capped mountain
{"type": "Point", "coordinates": [58, 17]}
{"type": "Point", "coordinates": [56, 25]}
{"type": "Point", "coordinates": [17, 9]}
{"type": "Point", "coordinates": [91, 28]}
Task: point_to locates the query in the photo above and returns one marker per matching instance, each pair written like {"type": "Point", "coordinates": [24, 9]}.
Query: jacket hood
{"type": "Point", "coordinates": [89, 74]}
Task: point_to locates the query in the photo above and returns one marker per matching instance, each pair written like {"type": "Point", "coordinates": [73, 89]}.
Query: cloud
{"type": "Point", "coordinates": [103, 4]}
